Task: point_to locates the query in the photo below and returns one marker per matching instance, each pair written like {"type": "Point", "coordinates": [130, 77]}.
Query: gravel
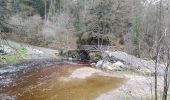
{"type": "Point", "coordinates": [136, 88]}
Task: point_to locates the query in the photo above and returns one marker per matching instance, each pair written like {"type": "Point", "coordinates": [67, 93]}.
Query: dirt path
{"type": "Point", "coordinates": [34, 52]}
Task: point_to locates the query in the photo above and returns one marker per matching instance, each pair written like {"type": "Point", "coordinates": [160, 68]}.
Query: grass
{"type": "Point", "coordinates": [12, 58]}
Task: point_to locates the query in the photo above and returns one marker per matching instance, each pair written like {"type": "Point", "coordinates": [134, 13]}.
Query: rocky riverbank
{"type": "Point", "coordinates": [122, 61]}
{"type": "Point", "coordinates": [139, 72]}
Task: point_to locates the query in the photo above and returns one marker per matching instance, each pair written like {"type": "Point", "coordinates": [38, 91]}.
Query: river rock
{"type": "Point", "coordinates": [119, 64]}
{"type": "Point", "coordinates": [99, 63]}
{"type": "Point", "coordinates": [6, 49]}
{"type": "Point", "coordinates": [107, 65]}
{"type": "Point", "coordinates": [93, 64]}
{"type": "Point", "coordinates": [70, 58]}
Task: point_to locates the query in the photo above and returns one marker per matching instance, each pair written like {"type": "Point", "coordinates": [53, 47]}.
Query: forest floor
{"type": "Point", "coordinates": [34, 52]}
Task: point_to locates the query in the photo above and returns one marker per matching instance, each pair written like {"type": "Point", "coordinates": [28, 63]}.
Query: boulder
{"type": "Point", "coordinates": [93, 64]}
{"type": "Point", "coordinates": [119, 64]}
{"type": "Point", "coordinates": [6, 49]}
{"type": "Point", "coordinates": [95, 56]}
{"type": "Point", "coordinates": [70, 58]}
{"type": "Point", "coordinates": [99, 63]}
{"type": "Point", "coordinates": [107, 65]}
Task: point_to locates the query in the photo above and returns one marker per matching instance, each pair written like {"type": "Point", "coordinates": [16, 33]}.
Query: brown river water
{"type": "Point", "coordinates": [43, 83]}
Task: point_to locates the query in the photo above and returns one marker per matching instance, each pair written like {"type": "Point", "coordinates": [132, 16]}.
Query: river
{"type": "Point", "coordinates": [42, 80]}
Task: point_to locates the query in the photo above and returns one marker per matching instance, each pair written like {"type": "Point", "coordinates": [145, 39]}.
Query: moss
{"type": "Point", "coordinates": [77, 54]}
{"type": "Point", "coordinates": [12, 58]}
{"type": "Point", "coordinates": [95, 56]}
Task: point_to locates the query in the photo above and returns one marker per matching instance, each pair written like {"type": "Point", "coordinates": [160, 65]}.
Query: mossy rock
{"type": "Point", "coordinates": [77, 54]}
{"type": "Point", "coordinates": [95, 56]}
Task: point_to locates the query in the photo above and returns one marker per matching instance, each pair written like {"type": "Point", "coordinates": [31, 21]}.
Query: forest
{"type": "Point", "coordinates": [126, 42]}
